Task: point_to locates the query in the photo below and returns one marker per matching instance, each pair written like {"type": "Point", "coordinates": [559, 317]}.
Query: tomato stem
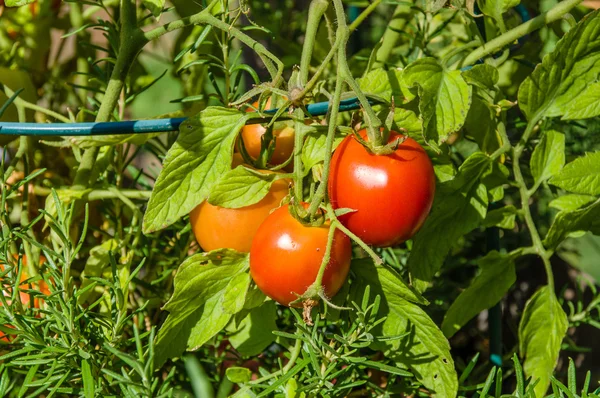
{"type": "Point", "coordinates": [315, 14]}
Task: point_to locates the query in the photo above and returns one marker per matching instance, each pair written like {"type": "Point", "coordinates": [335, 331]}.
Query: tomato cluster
{"type": "Point", "coordinates": [390, 195]}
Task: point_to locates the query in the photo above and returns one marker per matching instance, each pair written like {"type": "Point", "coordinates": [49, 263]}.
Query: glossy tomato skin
{"type": "Point", "coordinates": [284, 140]}
{"type": "Point", "coordinates": [286, 256]}
{"type": "Point", "coordinates": [392, 194]}
{"type": "Point", "coordinates": [217, 227]}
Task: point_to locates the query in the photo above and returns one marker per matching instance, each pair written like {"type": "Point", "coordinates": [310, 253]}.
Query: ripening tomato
{"type": "Point", "coordinates": [284, 140]}
{"type": "Point", "coordinates": [392, 194]}
{"type": "Point", "coordinates": [25, 297]}
{"type": "Point", "coordinates": [286, 256]}
{"type": "Point", "coordinates": [218, 227]}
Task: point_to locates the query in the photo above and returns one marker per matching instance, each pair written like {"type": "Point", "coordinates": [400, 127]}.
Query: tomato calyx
{"type": "Point", "coordinates": [300, 213]}
{"type": "Point", "coordinates": [381, 150]}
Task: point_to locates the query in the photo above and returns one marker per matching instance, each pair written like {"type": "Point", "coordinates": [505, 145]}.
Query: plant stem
{"type": "Point", "coordinates": [363, 15]}
{"type": "Point", "coordinates": [28, 105]}
{"type": "Point", "coordinates": [401, 16]}
{"type": "Point", "coordinates": [525, 197]}
{"type": "Point", "coordinates": [315, 14]}
{"type": "Point", "coordinates": [131, 43]}
{"type": "Point", "coordinates": [536, 23]}
{"type": "Point", "coordinates": [295, 353]}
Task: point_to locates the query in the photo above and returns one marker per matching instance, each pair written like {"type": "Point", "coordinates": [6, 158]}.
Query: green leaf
{"type": "Point", "coordinates": [502, 218]}
{"type": "Point", "coordinates": [571, 202]}
{"type": "Point", "coordinates": [386, 84]}
{"type": "Point", "coordinates": [368, 271]}
{"type": "Point", "coordinates": [18, 3]}
{"type": "Point", "coordinates": [155, 6]}
{"type": "Point", "coordinates": [89, 385]}
{"type": "Point", "coordinates": [425, 352]}
{"type": "Point", "coordinates": [314, 148]}
{"type": "Point", "coordinates": [117, 139]}
{"type": "Point", "coordinates": [583, 253]}
{"type": "Point", "coordinates": [541, 331]}
{"type": "Point", "coordinates": [238, 375]}
{"type": "Point", "coordinates": [548, 156]}
{"type": "Point", "coordinates": [197, 160]}
{"type": "Point", "coordinates": [197, 305]}
{"type": "Point", "coordinates": [482, 123]}
{"type": "Point", "coordinates": [565, 83]}
{"type": "Point", "coordinates": [409, 121]}
{"type": "Point", "coordinates": [234, 297]}
{"type": "Point", "coordinates": [241, 187]}
{"type": "Point", "coordinates": [487, 289]}
{"type": "Point", "coordinates": [445, 97]}
{"type": "Point", "coordinates": [566, 222]}
{"type": "Point", "coordinates": [581, 175]}
{"type": "Point", "coordinates": [254, 333]}
{"type": "Point", "coordinates": [495, 8]}
{"type": "Point", "coordinates": [459, 207]}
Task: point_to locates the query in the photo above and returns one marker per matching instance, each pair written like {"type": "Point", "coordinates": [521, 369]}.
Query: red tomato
{"type": "Point", "coordinates": [286, 256]}
{"type": "Point", "coordinates": [25, 297]}
{"type": "Point", "coordinates": [392, 194]}
{"type": "Point", "coordinates": [284, 140]}
{"type": "Point", "coordinates": [217, 227]}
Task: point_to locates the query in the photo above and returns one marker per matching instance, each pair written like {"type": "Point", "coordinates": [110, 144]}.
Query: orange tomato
{"type": "Point", "coordinates": [217, 227]}
{"type": "Point", "coordinates": [284, 140]}
{"type": "Point", "coordinates": [286, 257]}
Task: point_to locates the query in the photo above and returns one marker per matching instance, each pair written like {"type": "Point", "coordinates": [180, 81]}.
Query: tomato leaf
{"type": "Point", "coordinates": [234, 297]}
{"type": "Point", "coordinates": [566, 82]}
{"type": "Point", "coordinates": [241, 187]}
{"type": "Point", "coordinates": [197, 160]}
{"type": "Point", "coordinates": [254, 333]}
{"type": "Point", "coordinates": [566, 222]}
{"type": "Point", "coordinates": [581, 175]}
{"type": "Point", "coordinates": [549, 156]}
{"type": "Point", "coordinates": [495, 8]}
{"type": "Point", "coordinates": [314, 149]}
{"type": "Point", "coordinates": [482, 122]}
{"type": "Point", "coordinates": [386, 84]}
{"type": "Point", "coordinates": [445, 97]}
{"type": "Point", "coordinates": [196, 309]}
{"type": "Point", "coordinates": [502, 218]}
{"type": "Point", "coordinates": [487, 289]}
{"type": "Point", "coordinates": [238, 374]}
{"type": "Point", "coordinates": [571, 202]}
{"type": "Point", "coordinates": [459, 207]}
{"type": "Point", "coordinates": [425, 352]}
{"type": "Point", "coordinates": [117, 139]}
{"type": "Point", "coordinates": [541, 331]}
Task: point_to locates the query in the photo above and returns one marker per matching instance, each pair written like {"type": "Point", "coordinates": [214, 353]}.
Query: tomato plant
{"type": "Point", "coordinates": [424, 185]}
{"type": "Point", "coordinates": [286, 257]}
{"type": "Point", "coordinates": [401, 183]}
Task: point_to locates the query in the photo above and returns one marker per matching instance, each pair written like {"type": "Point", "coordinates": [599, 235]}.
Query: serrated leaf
{"type": "Point", "coordinates": [495, 8]}
{"type": "Point", "coordinates": [482, 122]}
{"type": "Point", "coordinates": [234, 297]}
{"type": "Point", "coordinates": [196, 308]}
{"type": "Point", "coordinates": [445, 97]}
{"type": "Point", "coordinates": [254, 333]}
{"type": "Point", "coordinates": [314, 148]}
{"type": "Point", "coordinates": [386, 84]}
{"type": "Point", "coordinates": [237, 374]}
{"type": "Point", "coordinates": [566, 222]}
{"type": "Point", "coordinates": [581, 175]}
{"type": "Point", "coordinates": [501, 218]}
{"type": "Point", "coordinates": [548, 156]}
{"type": "Point", "coordinates": [571, 202]}
{"type": "Point", "coordinates": [459, 207]}
{"type": "Point", "coordinates": [425, 352]}
{"type": "Point", "coordinates": [565, 83]}
{"type": "Point", "coordinates": [241, 187]}
{"type": "Point", "coordinates": [409, 121]}
{"type": "Point", "coordinates": [487, 289]}
{"type": "Point", "coordinates": [541, 331]}
{"type": "Point", "coordinates": [197, 160]}
{"type": "Point", "coordinates": [155, 6]}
